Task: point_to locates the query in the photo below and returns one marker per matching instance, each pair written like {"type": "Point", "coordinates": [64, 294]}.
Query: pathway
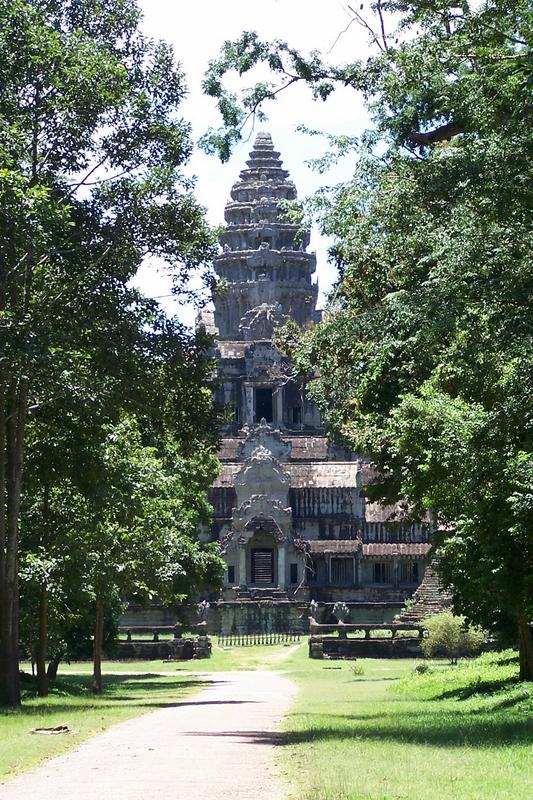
{"type": "Point", "coordinates": [217, 744]}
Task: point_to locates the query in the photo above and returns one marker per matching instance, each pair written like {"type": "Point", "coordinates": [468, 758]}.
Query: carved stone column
{"type": "Point", "coordinates": [248, 404]}
{"type": "Point", "coordinates": [358, 572]}
{"type": "Point", "coordinates": [282, 571]}
{"type": "Point", "coordinates": [242, 566]}
{"type": "Point", "coordinates": [279, 406]}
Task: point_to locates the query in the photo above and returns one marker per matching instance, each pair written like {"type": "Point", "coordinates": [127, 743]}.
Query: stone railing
{"type": "Point", "coordinates": [344, 645]}
{"type": "Point", "coordinates": [136, 633]}
{"type": "Point", "coordinates": [179, 647]}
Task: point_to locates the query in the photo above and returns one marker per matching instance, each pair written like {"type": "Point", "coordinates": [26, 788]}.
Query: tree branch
{"type": "Point", "coordinates": [362, 21]}
{"type": "Point", "coordinates": [382, 25]}
{"type": "Point", "coordinates": [442, 134]}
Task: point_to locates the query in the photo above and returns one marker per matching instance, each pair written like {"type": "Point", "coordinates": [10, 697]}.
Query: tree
{"type": "Point", "coordinates": [142, 540]}
{"type": "Point", "coordinates": [90, 184]}
{"type": "Point", "coordinates": [452, 636]}
{"type": "Point", "coordinates": [67, 475]}
{"type": "Point", "coordinates": [424, 357]}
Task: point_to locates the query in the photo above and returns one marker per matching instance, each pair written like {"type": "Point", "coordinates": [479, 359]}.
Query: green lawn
{"type": "Point", "coordinates": [460, 733]}
{"type": "Point", "coordinates": [457, 733]}
{"type": "Point", "coordinates": [72, 702]}
{"type": "Point", "coordinates": [223, 659]}
{"type": "Point", "coordinates": [130, 689]}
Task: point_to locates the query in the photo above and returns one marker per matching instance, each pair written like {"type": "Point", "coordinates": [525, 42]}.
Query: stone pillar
{"type": "Point", "coordinates": [358, 572]}
{"type": "Point", "coordinates": [395, 573]}
{"type": "Point", "coordinates": [242, 565]}
{"type": "Point", "coordinates": [279, 406]}
{"type": "Point", "coordinates": [282, 570]}
{"type": "Point", "coordinates": [248, 404]}
{"type": "Point", "coordinates": [228, 393]}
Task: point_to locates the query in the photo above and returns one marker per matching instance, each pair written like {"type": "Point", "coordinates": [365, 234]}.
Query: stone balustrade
{"type": "Point", "coordinates": [178, 648]}
{"type": "Point", "coordinates": [323, 645]}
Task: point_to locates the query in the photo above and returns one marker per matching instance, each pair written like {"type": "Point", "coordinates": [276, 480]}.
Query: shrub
{"type": "Point", "coordinates": [451, 636]}
{"type": "Point", "coordinates": [357, 669]}
{"type": "Point", "coordinates": [422, 669]}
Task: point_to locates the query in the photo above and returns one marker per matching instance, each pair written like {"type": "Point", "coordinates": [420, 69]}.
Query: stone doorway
{"type": "Point", "coordinates": [262, 566]}
{"type": "Point", "coordinates": [263, 405]}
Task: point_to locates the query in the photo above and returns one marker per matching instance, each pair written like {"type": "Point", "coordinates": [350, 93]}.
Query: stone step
{"type": "Point", "coordinates": [430, 598]}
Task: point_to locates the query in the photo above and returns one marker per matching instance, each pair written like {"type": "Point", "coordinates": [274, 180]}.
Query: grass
{"type": "Point", "coordinates": [377, 732]}
{"type": "Point", "coordinates": [223, 659]}
{"type": "Point", "coordinates": [460, 733]}
{"type": "Point", "coordinates": [72, 702]}
{"type": "Point", "coordinates": [130, 688]}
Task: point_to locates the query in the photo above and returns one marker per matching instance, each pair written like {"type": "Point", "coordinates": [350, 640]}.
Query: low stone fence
{"type": "Point", "coordinates": [177, 648]}
{"type": "Point", "coordinates": [369, 645]}
{"type": "Point", "coordinates": [249, 639]}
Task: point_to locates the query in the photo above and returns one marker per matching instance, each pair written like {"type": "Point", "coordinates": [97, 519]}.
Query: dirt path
{"type": "Point", "coordinates": [219, 744]}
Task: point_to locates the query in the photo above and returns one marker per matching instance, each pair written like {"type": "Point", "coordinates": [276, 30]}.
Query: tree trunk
{"type": "Point", "coordinates": [11, 465]}
{"type": "Point", "coordinates": [525, 638]}
{"type": "Point", "coordinates": [9, 671]}
{"type": "Point", "coordinates": [98, 639]}
{"type": "Point", "coordinates": [42, 644]}
{"type": "Point", "coordinates": [51, 672]}
{"type": "Point", "coordinates": [9, 666]}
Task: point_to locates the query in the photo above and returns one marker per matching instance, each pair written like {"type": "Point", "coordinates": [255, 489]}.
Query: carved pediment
{"type": "Point", "coordinates": [266, 436]}
{"type": "Point", "coordinates": [261, 513]}
{"type": "Point", "coordinates": [262, 474]}
{"type": "Point", "coordinates": [260, 322]}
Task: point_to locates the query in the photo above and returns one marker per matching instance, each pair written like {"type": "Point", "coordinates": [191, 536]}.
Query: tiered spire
{"type": "Point", "coordinates": [264, 258]}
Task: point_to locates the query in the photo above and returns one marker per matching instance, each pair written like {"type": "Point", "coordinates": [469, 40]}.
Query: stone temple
{"type": "Point", "coordinates": [289, 506]}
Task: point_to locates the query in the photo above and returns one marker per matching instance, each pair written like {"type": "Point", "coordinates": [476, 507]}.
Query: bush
{"type": "Point", "coordinates": [451, 636]}
{"type": "Point", "coordinates": [357, 669]}
{"type": "Point", "coordinates": [422, 669]}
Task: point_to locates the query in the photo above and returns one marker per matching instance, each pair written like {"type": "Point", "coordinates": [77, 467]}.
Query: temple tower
{"type": "Point", "coordinates": [289, 510]}
{"type": "Point", "coordinates": [266, 279]}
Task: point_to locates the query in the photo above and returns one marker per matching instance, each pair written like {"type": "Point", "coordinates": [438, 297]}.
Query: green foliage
{"type": "Point", "coordinates": [422, 669]}
{"type": "Point", "coordinates": [357, 670]}
{"type": "Point", "coordinates": [131, 531]}
{"type": "Point", "coordinates": [423, 360]}
{"type": "Point", "coordinates": [451, 636]}
{"type": "Point", "coordinates": [92, 149]}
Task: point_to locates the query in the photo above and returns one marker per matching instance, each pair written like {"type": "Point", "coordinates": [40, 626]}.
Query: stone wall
{"type": "Point", "coordinates": [336, 648]}
{"type": "Point", "coordinates": [249, 616]}
{"type": "Point", "coordinates": [171, 649]}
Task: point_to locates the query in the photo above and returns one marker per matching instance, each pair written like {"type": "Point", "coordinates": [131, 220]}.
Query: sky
{"type": "Point", "coordinates": [197, 30]}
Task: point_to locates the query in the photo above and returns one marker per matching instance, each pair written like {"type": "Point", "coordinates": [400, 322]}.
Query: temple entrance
{"type": "Point", "coordinates": [263, 405]}
{"type": "Point", "coordinates": [263, 567]}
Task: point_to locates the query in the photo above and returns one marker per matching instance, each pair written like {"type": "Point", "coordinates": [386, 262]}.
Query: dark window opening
{"type": "Point", "coordinates": [263, 405]}
{"type": "Point", "coordinates": [341, 571]}
{"type": "Point", "coordinates": [296, 415]}
{"type": "Point", "coordinates": [236, 414]}
{"type": "Point", "coordinates": [409, 572]}
{"type": "Point", "coordinates": [231, 573]}
{"type": "Point", "coordinates": [263, 567]}
{"type": "Point", "coordinates": [294, 573]}
{"type": "Point", "coordinates": [382, 572]}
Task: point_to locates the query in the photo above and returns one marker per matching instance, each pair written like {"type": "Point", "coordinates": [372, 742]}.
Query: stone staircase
{"type": "Point", "coordinates": [430, 598]}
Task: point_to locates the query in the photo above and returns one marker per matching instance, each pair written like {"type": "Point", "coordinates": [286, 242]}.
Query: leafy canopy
{"type": "Point", "coordinates": [424, 356]}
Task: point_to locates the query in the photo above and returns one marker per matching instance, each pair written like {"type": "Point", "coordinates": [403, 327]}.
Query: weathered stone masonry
{"type": "Point", "coordinates": [288, 506]}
